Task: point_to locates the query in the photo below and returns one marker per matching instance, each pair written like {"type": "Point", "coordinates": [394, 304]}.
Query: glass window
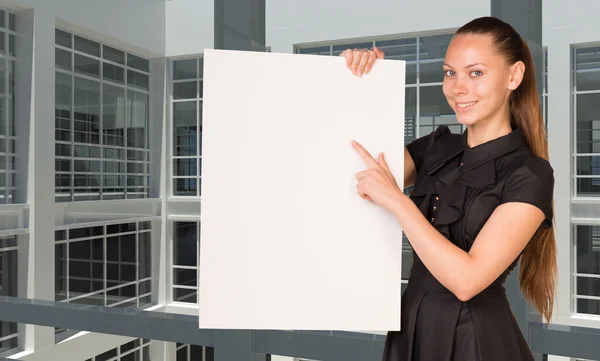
{"type": "Point", "coordinates": [107, 117]}
{"type": "Point", "coordinates": [587, 268]}
{"type": "Point", "coordinates": [187, 126]}
{"type": "Point", "coordinates": [402, 49]}
{"type": "Point", "coordinates": [194, 353]}
{"type": "Point", "coordinates": [136, 350]}
{"type": "Point", "coordinates": [320, 50]}
{"type": "Point", "coordinates": [63, 59]}
{"type": "Point", "coordinates": [185, 69]}
{"type": "Point", "coordinates": [114, 55]}
{"type": "Point", "coordinates": [587, 121]}
{"type": "Point", "coordinates": [8, 287]}
{"type": "Point", "coordinates": [185, 90]}
{"type": "Point", "coordinates": [86, 65]}
{"type": "Point", "coordinates": [62, 38]}
{"type": "Point", "coordinates": [136, 62]}
{"type": "Point", "coordinates": [432, 51]}
{"type": "Point", "coordinates": [185, 261]}
{"type": "Point", "coordinates": [435, 111]}
{"type": "Point", "coordinates": [87, 46]}
{"type": "Point", "coordinates": [7, 113]}
{"type": "Point", "coordinates": [111, 268]}
{"type": "Point", "coordinates": [184, 120]}
{"type": "Point", "coordinates": [113, 72]}
{"type": "Point", "coordinates": [410, 118]}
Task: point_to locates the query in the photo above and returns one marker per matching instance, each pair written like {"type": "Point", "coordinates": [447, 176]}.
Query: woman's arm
{"type": "Point", "coordinates": [497, 245]}
{"type": "Point", "coordinates": [410, 171]}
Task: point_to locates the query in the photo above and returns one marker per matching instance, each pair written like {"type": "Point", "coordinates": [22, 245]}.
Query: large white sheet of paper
{"type": "Point", "coordinates": [285, 240]}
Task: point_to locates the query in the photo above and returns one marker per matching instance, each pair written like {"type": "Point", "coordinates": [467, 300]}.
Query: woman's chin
{"type": "Point", "coordinates": [465, 119]}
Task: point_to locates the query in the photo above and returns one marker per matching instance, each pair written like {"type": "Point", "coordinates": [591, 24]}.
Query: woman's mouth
{"type": "Point", "coordinates": [465, 106]}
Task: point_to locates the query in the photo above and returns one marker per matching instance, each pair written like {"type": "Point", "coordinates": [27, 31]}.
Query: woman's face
{"type": "Point", "coordinates": [477, 80]}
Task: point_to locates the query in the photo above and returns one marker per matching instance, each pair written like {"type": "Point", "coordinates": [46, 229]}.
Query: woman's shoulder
{"type": "Point", "coordinates": [525, 162]}
{"type": "Point", "coordinates": [531, 180]}
{"type": "Point", "coordinates": [439, 142]}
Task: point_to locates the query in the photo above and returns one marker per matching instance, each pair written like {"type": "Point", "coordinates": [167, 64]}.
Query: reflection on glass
{"type": "Point", "coordinates": [588, 263]}
{"type": "Point", "coordinates": [338, 49]}
{"type": "Point", "coordinates": [113, 55]}
{"type": "Point", "coordinates": [185, 69]}
{"type": "Point", "coordinates": [587, 58]}
{"type": "Point", "coordinates": [410, 107]}
{"type": "Point", "coordinates": [104, 270]}
{"type": "Point", "coordinates": [402, 49]}
{"type": "Point", "coordinates": [185, 90]}
{"type": "Point", "coordinates": [113, 111]}
{"type": "Point", "coordinates": [185, 243]}
{"type": "Point", "coordinates": [62, 38]}
{"type": "Point", "coordinates": [321, 50]}
{"type": "Point", "coordinates": [432, 52]}
{"type": "Point", "coordinates": [137, 119]}
{"type": "Point", "coordinates": [136, 350]}
{"type": "Point", "coordinates": [588, 123]}
{"type": "Point", "coordinates": [8, 287]}
{"type": "Point", "coordinates": [435, 111]}
{"type": "Point", "coordinates": [184, 121]}
{"type": "Point", "coordinates": [113, 73]}
{"type": "Point", "coordinates": [185, 261]}
{"type": "Point", "coordinates": [62, 59]}
{"type": "Point", "coordinates": [87, 46]}
{"type": "Point", "coordinates": [87, 66]}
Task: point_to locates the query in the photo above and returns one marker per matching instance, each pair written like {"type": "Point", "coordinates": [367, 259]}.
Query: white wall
{"type": "Point", "coordinates": [190, 27]}
{"type": "Point", "coordinates": [137, 25]}
{"type": "Point", "coordinates": [568, 22]}
{"type": "Point", "coordinates": [293, 22]}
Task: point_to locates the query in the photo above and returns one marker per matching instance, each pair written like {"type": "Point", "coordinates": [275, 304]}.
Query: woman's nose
{"type": "Point", "coordinates": [460, 86]}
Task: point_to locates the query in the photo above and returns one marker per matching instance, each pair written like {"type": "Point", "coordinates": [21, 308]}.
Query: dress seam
{"type": "Point", "coordinates": [475, 331]}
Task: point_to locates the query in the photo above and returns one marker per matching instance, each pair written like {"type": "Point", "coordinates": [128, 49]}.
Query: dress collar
{"type": "Point", "coordinates": [490, 150]}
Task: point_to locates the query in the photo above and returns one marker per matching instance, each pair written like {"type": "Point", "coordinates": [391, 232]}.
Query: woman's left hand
{"type": "Point", "coordinates": [376, 183]}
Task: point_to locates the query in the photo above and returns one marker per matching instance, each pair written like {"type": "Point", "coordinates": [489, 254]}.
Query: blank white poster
{"type": "Point", "coordinates": [285, 240]}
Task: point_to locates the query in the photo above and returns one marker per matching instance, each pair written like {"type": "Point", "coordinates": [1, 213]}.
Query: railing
{"type": "Point", "coordinates": [243, 345]}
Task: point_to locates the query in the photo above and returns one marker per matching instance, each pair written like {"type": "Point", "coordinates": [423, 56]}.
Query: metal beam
{"type": "Point", "coordinates": [317, 345]}
{"type": "Point", "coordinates": [109, 320]}
{"type": "Point", "coordinates": [568, 341]}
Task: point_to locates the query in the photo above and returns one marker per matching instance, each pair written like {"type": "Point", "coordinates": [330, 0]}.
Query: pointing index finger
{"type": "Point", "coordinates": [365, 155]}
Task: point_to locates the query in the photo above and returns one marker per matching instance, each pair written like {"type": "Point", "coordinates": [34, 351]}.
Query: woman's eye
{"type": "Point", "coordinates": [476, 73]}
{"type": "Point", "coordinates": [448, 73]}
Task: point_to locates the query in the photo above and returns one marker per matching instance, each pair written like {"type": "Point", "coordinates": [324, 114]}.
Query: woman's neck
{"type": "Point", "coordinates": [483, 133]}
{"type": "Point", "coordinates": [489, 129]}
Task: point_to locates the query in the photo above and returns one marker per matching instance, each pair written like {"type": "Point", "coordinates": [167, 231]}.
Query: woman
{"type": "Point", "coordinates": [481, 200]}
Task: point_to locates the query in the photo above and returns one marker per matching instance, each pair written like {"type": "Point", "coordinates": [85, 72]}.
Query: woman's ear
{"type": "Point", "coordinates": [517, 71]}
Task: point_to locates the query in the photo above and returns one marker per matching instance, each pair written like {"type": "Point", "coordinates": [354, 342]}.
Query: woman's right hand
{"type": "Point", "coordinates": [360, 61]}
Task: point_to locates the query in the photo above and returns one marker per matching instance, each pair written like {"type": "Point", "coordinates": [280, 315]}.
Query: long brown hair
{"type": "Point", "coordinates": [538, 270]}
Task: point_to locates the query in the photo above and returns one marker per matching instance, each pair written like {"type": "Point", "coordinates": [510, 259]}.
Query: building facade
{"type": "Point", "coordinates": [106, 212]}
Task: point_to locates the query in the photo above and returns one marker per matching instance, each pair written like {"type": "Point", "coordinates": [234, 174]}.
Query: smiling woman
{"type": "Point", "coordinates": [481, 202]}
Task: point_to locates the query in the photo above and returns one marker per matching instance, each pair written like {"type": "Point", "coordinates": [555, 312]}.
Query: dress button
{"type": "Point", "coordinates": [432, 219]}
{"type": "Point", "coordinates": [437, 198]}
{"type": "Point", "coordinates": [434, 207]}
{"type": "Point", "coordinates": [461, 164]}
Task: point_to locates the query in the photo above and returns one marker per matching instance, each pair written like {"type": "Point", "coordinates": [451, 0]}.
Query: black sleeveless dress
{"type": "Point", "coordinates": [457, 189]}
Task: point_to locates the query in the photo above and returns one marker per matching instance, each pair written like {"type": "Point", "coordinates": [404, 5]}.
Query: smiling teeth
{"type": "Point", "coordinates": [464, 105]}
